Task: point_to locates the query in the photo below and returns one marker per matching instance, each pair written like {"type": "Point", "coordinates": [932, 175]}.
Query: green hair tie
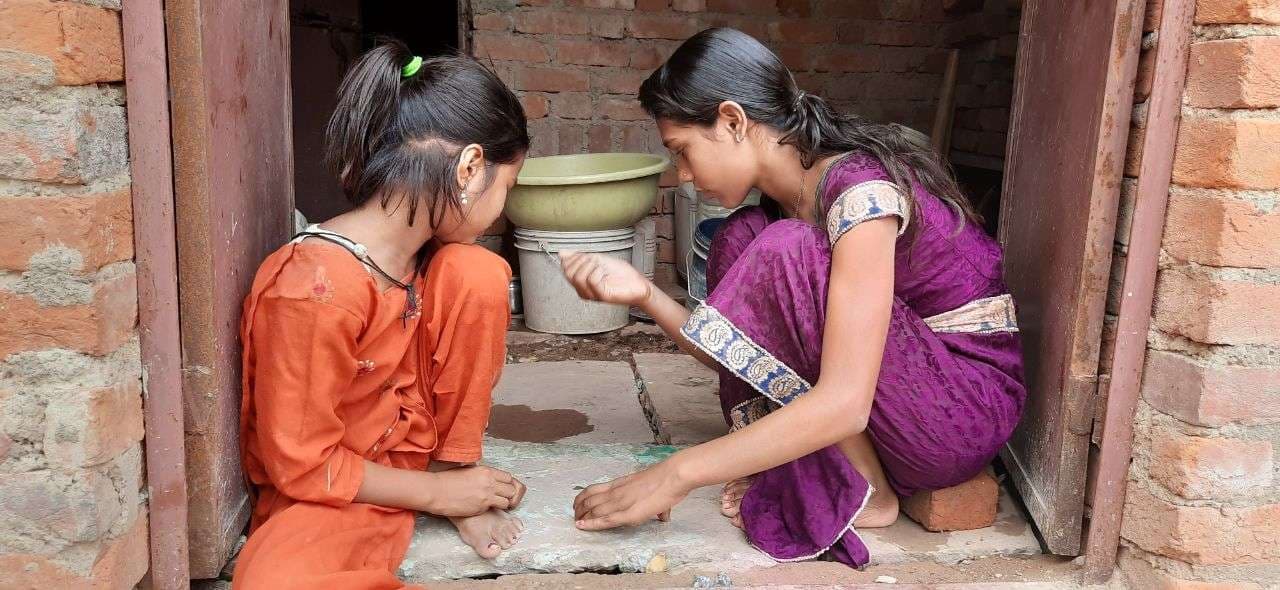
{"type": "Point", "coordinates": [411, 68]}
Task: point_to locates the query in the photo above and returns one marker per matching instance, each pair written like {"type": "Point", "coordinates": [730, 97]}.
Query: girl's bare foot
{"type": "Point", "coordinates": [731, 499]}
{"type": "Point", "coordinates": [490, 532]}
{"type": "Point", "coordinates": [881, 511]}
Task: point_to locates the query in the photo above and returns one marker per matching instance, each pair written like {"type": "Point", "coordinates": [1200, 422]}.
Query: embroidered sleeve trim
{"type": "Point", "coordinates": [866, 201]}
{"type": "Point", "coordinates": [715, 335]}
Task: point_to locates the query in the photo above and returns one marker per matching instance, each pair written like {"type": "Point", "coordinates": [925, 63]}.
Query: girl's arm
{"type": "Point", "coordinates": [860, 298]}
{"type": "Point", "coordinates": [461, 491]}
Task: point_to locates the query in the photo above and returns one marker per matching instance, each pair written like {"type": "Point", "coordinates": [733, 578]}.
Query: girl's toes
{"type": "Point", "coordinates": [489, 551]}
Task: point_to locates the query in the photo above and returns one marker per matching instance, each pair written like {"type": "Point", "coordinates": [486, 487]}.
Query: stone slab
{"type": "Point", "coordinates": [555, 473]}
{"type": "Point", "coordinates": [906, 541]}
{"type": "Point", "coordinates": [569, 402]}
{"type": "Point", "coordinates": [680, 397]}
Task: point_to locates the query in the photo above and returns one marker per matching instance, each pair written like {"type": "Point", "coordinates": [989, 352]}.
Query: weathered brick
{"type": "Point", "coordinates": [653, 5]}
{"type": "Point", "coordinates": [766, 7]}
{"type": "Point", "coordinates": [622, 109]}
{"type": "Point", "coordinates": [573, 138]}
{"type": "Point", "coordinates": [88, 428]}
{"type": "Point", "coordinates": [123, 561]}
{"type": "Point", "coordinates": [1211, 395]}
{"type": "Point", "coordinates": [848, 59]}
{"type": "Point", "coordinates": [1217, 308]}
{"type": "Point", "coordinates": [84, 42]}
{"type": "Point", "coordinates": [556, 23]}
{"type": "Point", "coordinates": [662, 27]}
{"type": "Point", "coordinates": [795, 8]}
{"type": "Point", "coordinates": [1139, 574]}
{"type": "Point", "coordinates": [1237, 12]}
{"type": "Point", "coordinates": [535, 106]}
{"type": "Point", "coordinates": [970, 505]}
{"type": "Point", "coordinates": [1146, 75]}
{"type": "Point", "coordinates": [551, 79]}
{"type": "Point", "coordinates": [79, 507]}
{"type": "Point", "coordinates": [617, 81]}
{"type": "Point", "coordinates": [636, 138]}
{"type": "Point", "coordinates": [689, 5]}
{"type": "Point", "coordinates": [493, 21]}
{"type": "Point", "coordinates": [752, 26]}
{"type": "Point", "coordinates": [1235, 73]}
{"type": "Point", "coordinates": [1218, 229]}
{"type": "Point", "coordinates": [795, 57]}
{"type": "Point", "coordinates": [96, 328]}
{"type": "Point", "coordinates": [572, 105]}
{"type": "Point", "coordinates": [69, 146]}
{"type": "Point", "coordinates": [593, 53]}
{"type": "Point", "coordinates": [1199, 468]}
{"type": "Point", "coordinates": [1228, 152]}
{"type": "Point", "coordinates": [802, 31]}
{"type": "Point", "coordinates": [100, 225]}
{"type": "Point", "coordinates": [648, 57]}
{"type": "Point", "coordinates": [846, 9]}
{"type": "Point", "coordinates": [622, 4]}
{"type": "Point", "coordinates": [600, 138]}
{"type": "Point", "coordinates": [1206, 535]}
{"type": "Point", "coordinates": [510, 48]}
{"type": "Point", "coordinates": [608, 26]}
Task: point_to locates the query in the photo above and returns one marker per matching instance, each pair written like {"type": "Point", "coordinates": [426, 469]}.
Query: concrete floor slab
{"type": "Point", "coordinates": [568, 402]}
{"type": "Point", "coordinates": [555, 473]}
{"type": "Point", "coordinates": [906, 541]}
{"type": "Point", "coordinates": [680, 398]}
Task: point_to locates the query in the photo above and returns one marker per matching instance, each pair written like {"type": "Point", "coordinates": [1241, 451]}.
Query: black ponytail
{"type": "Point", "coordinates": [400, 137]}
{"type": "Point", "coordinates": [722, 64]}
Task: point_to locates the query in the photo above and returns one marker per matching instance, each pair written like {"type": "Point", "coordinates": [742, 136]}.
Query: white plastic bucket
{"type": "Point", "coordinates": [550, 303]}
{"type": "Point", "coordinates": [686, 210]}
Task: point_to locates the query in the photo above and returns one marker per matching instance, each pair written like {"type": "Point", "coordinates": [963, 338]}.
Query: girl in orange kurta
{"type": "Point", "coordinates": [372, 341]}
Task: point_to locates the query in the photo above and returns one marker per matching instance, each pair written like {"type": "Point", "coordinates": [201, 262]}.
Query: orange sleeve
{"type": "Point", "coordinates": [306, 360]}
{"type": "Point", "coordinates": [467, 290]}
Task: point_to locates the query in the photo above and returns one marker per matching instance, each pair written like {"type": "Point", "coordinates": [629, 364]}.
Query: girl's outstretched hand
{"type": "Point", "coordinates": [630, 500]}
{"type": "Point", "coordinates": [603, 278]}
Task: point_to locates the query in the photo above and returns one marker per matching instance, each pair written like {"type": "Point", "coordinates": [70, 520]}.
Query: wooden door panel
{"type": "Point", "coordinates": [233, 165]}
{"type": "Point", "coordinates": [1076, 66]}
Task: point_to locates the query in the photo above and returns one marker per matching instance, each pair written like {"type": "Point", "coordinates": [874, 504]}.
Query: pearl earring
{"type": "Point", "coordinates": [463, 199]}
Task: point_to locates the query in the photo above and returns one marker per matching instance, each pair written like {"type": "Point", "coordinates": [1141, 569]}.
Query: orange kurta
{"type": "Point", "coordinates": [334, 375]}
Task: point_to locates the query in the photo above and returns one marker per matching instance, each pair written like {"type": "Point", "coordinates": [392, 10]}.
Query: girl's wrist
{"type": "Point", "coordinates": [426, 492]}
{"type": "Point", "coordinates": [684, 473]}
{"type": "Point", "coordinates": [650, 298]}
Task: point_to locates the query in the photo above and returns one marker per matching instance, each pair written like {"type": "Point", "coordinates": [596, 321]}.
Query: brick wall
{"type": "Point", "coordinates": [71, 509]}
{"type": "Point", "coordinates": [578, 64]}
{"type": "Point", "coordinates": [1203, 502]}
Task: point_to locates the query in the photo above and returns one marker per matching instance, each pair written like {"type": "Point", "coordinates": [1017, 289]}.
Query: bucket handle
{"type": "Point", "coordinates": [551, 255]}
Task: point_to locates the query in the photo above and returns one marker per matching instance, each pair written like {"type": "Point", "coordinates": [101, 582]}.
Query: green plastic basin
{"type": "Point", "coordinates": [585, 192]}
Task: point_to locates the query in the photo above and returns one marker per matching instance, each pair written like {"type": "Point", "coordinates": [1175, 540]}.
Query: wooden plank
{"type": "Point", "coordinates": [229, 67]}
{"type": "Point", "coordinates": [1138, 286]}
{"type": "Point", "coordinates": [1076, 66]}
{"type": "Point", "coordinates": [155, 247]}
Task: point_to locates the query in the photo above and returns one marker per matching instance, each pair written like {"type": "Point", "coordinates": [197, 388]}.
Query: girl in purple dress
{"type": "Point", "coordinates": [866, 343]}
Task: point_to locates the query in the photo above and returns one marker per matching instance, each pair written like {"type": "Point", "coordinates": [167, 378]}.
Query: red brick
{"type": "Point", "coordinates": [1151, 18]}
{"type": "Point", "coordinates": [99, 225]}
{"type": "Point", "coordinates": [1209, 394]}
{"type": "Point", "coordinates": [510, 48]}
{"type": "Point", "coordinates": [795, 8]}
{"type": "Point", "coordinates": [493, 21]}
{"type": "Point", "coordinates": [847, 9]}
{"type": "Point", "coordinates": [96, 427]}
{"type": "Point", "coordinates": [666, 250]}
{"type": "Point", "coordinates": [1139, 574]}
{"type": "Point", "coordinates": [795, 57]}
{"type": "Point", "coordinates": [847, 59]}
{"type": "Point", "coordinates": [572, 105]}
{"type": "Point", "coordinates": [662, 27]}
{"type": "Point", "coordinates": [670, 178]}
{"type": "Point", "coordinates": [755, 27]}
{"type": "Point", "coordinates": [84, 42]}
{"type": "Point", "coordinates": [1235, 73]}
{"type": "Point", "coordinates": [635, 139]}
{"type": "Point", "coordinates": [617, 81]}
{"type": "Point", "coordinates": [544, 79]}
{"type": "Point", "coordinates": [1200, 468]}
{"type": "Point", "coordinates": [69, 146]}
{"type": "Point", "coordinates": [1201, 535]}
{"type": "Point", "coordinates": [970, 505]}
{"type": "Point", "coordinates": [1208, 307]}
{"type": "Point", "coordinates": [97, 328]}
{"type": "Point", "coordinates": [123, 562]}
{"type": "Point", "coordinates": [1237, 12]}
{"type": "Point", "coordinates": [593, 53]}
{"type": "Point", "coordinates": [600, 138]}
{"type": "Point", "coordinates": [895, 34]}
{"type": "Point", "coordinates": [664, 225]}
{"type": "Point", "coordinates": [1146, 75]}
{"type": "Point", "coordinates": [608, 26]}
{"type": "Point", "coordinates": [5, 444]}
{"type": "Point", "coordinates": [689, 5]}
{"type": "Point", "coordinates": [534, 2]}
{"type": "Point", "coordinates": [573, 138]}
{"type": "Point", "coordinates": [802, 31]}
{"type": "Point", "coordinates": [647, 58]}
{"type": "Point", "coordinates": [653, 5]}
{"type": "Point", "coordinates": [622, 109]}
{"type": "Point", "coordinates": [767, 7]}
{"type": "Point", "coordinates": [1220, 230]}
{"type": "Point", "coordinates": [555, 23]}
{"type": "Point", "coordinates": [1228, 152]}
{"type": "Point", "coordinates": [623, 4]}
{"type": "Point", "coordinates": [535, 106]}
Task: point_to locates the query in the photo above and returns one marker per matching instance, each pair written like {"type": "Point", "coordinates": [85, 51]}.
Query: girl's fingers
{"type": "Point", "coordinates": [595, 281]}
{"type": "Point", "coordinates": [506, 490]}
{"type": "Point", "coordinates": [586, 494]}
{"type": "Point", "coordinates": [598, 524]}
{"type": "Point", "coordinates": [665, 516]}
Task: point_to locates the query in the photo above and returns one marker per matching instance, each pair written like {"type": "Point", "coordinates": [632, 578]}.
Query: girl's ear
{"type": "Point", "coordinates": [470, 165]}
{"type": "Point", "coordinates": [732, 119]}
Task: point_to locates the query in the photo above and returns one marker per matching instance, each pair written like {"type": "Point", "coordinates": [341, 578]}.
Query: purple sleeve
{"type": "Point", "coordinates": [859, 189]}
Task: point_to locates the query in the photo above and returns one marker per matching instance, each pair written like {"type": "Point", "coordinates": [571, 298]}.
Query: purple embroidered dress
{"type": "Point", "coordinates": [950, 389]}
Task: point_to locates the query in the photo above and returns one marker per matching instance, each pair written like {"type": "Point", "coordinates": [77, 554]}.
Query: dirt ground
{"type": "Point", "coordinates": [525, 346]}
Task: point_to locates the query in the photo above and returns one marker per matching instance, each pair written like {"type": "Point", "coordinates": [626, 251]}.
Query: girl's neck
{"type": "Point", "coordinates": [392, 242]}
{"type": "Point", "coordinates": [795, 188]}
